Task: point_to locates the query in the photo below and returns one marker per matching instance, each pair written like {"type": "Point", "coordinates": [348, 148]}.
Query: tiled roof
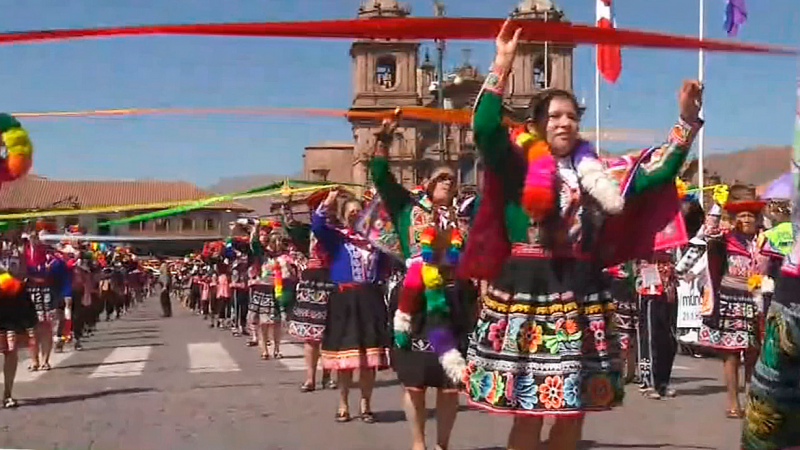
{"type": "Point", "coordinates": [34, 192]}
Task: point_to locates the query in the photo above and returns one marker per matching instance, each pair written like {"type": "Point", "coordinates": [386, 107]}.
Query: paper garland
{"type": "Point", "coordinates": [411, 28]}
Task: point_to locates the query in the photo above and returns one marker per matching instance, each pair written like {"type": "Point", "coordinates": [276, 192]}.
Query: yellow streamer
{"type": "Point", "coordinates": [156, 206]}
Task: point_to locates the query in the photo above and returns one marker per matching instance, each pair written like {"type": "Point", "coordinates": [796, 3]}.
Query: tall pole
{"type": "Point", "coordinates": [438, 8]}
{"type": "Point", "coordinates": [597, 100]}
{"type": "Point", "coordinates": [546, 58]}
{"type": "Point", "coordinates": [701, 138]}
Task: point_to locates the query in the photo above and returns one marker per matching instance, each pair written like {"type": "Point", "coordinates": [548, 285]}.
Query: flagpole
{"type": "Point", "coordinates": [702, 135]}
{"type": "Point", "coordinates": [597, 102]}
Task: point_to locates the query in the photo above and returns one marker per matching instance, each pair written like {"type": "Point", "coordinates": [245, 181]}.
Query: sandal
{"type": "Point", "coordinates": [45, 366]}
{"type": "Point", "coordinates": [278, 355]}
{"type": "Point", "coordinates": [735, 413]}
{"type": "Point", "coordinates": [332, 385]}
{"type": "Point", "coordinates": [342, 416]}
{"type": "Point", "coordinates": [308, 386]}
{"type": "Point", "coordinates": [265, 356]}
{"type": "Point", "coordinates": [10, 403]}
{"type": "Point", "coordinates": [33, 367]}
{"type": "Point", "coordinates": [251, 344]}
{"type": "Point", "coordinates": [652, 395]}
{"type": "Point", "coordinates": [367, 417]}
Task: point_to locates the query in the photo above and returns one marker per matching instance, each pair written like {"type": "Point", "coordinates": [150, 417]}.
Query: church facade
{"type": "Point", "coordinates": [388, 74]}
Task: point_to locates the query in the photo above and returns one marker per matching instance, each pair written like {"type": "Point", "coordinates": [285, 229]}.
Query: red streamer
{"type": "Point", "coordinates": [413, 28]}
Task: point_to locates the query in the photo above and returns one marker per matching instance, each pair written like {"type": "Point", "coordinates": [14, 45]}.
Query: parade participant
{"type": "Point", "coordinates": [18, 317]}
{"type": "Point", "coordinates": [626, 313]}
{"type": "Point", "coordinates": [240, 295]}
{"type": "Point", "coordinates": [273, 286]}
{"type": "Point", "coordinates": [355, 336]}
{"type": "Point", "coordinates": [544, 344]}
{"type": "Point", "coordinates": [731, 324]}
{"type": "Point", "coordinates": [426, 316]}
{"type": "Point", "coordinates": [223, 294]}
{"type": "Point", "coordinates": [165, 280]}
{"type": "Point", "coordinates": [773, 400]}
{"type": "Point", "coordinates": [307, 316]}
{"type": "Point", "coordinates": [658, 343]}
{"type": "Point", "coordinates": [39, 287]}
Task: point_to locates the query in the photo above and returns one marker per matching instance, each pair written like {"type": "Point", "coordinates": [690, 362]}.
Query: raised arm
{"type": "Point", "coordinates": [663, 164]}
{"type": "Point", "coordinates": [328, 237]}
{"type": "Point", "coordinates": [491, 137]}
{"type": "Point", "coordinates": [394, 195]}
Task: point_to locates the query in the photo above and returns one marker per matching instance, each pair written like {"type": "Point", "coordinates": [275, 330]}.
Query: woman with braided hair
{"type": "Point", "coordinates": [544, 344]}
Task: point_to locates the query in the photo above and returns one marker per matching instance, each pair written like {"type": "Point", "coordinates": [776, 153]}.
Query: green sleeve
{"type": "Point", "coordinates": [255, 245]}
{"type": "Point", "coordinates": [491, 137]}
{"type": "Point", "coordinates": [665, 162]}
{"type": "Point", "coordinates": [394, 195]}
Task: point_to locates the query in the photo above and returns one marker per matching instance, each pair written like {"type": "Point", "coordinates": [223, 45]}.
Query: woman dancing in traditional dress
{"type": "Point", "coordinates": [544, 344]}
{"type": "Point", "coordinates": [270, 291]}
{"type": "Point", "coordinates": [773, 400]}
{"type": "Point", "coordinates": [356, 334]}
{"type": "Point", "coordinates": [307, 316]}
{"type": "Point", "coordinates": [428, 226]}
{"type": "Point", "coordinates": [731, 324]}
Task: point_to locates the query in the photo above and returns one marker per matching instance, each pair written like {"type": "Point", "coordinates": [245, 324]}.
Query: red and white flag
{"type": "Point", "coordinates": [609, 58]}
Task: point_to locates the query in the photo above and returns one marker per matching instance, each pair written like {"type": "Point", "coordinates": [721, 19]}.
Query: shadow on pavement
{"type": "Point", "coordinates": [398, 415]}
{"type": "Point", "coordinates": [702, 390]}
{"type": "Point", "coordinates": [681, 380]}
{"type": "Point", "coordinates": [223, 386]}
{"type": "Point", "coordinates": [98, 364]}
{"type": "Point", "coordinates": [387, 383]}
{"type": "Point", "coordinates": [81, 397]}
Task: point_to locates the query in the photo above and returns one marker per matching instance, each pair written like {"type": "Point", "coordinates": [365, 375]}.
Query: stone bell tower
{"type": "Point", "coordinates": [538, 65]}
{"type": "Point", "coordinates": [384, 77]}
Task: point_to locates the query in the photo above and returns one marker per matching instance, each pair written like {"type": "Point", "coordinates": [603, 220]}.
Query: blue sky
{"type": "Point", "coordinates": [749, 98]}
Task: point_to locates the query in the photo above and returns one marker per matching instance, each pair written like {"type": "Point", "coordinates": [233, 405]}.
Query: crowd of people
{"type": "Point", "coordinates": [55, 294]}
{"type": "Point", "coordinates": [541, 297]}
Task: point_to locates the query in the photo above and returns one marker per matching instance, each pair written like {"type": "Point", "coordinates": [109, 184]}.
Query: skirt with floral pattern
{"type": "Point", "coordinates": [772, 414]}
{"type": "Point", "coordinates": [545, 343]}
{"type": "Point", "coordinates": [733, 326]}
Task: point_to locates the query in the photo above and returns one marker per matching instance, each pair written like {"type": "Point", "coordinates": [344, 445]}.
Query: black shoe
{"type": "Point", "coordinates": [78, 346]}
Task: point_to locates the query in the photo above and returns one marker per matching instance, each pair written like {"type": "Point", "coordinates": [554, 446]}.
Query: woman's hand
{"type": "Point", "coordinates": [330, 198]}
{"type": "Point", "coordinates": [506, 44]}
{"type": "Point", "coordinates": [690, 100]}
{"type": "Point", "coordinates": [384, 136]}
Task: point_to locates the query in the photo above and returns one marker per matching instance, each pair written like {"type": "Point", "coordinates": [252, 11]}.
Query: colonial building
{"type": "Point", "coordinates": [388, 74]}
{"type": "Point", "coordinates": [34, 193]}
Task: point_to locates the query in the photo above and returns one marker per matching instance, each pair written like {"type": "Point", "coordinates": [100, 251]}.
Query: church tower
{"type": "Point", "coordinates": [384, 77]}
{"type": "Point", "coordinates": [538, 65]}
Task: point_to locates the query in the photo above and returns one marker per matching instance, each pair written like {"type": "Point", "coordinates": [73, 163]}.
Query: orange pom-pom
{"type": "Point", "coordinates": [9, 286]}
{"type": "Point", "coordinates": [18, 165]}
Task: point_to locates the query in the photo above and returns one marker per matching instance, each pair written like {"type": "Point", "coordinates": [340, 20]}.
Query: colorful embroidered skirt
{"type": "Point", "coordinates": [356, 334]}
{"type": "Point", "coordinates": [307, 317]}
{"type": "Point", "coordinates": [263, 307]}
{"type": "Point", "coordinates": [419, 366]}
{"type": "Point", "coordinates": [772, 415]}
{"type": "Point", "coordinates": [733, 324]}
{"type": "Point", "coordinates": [545, 343]}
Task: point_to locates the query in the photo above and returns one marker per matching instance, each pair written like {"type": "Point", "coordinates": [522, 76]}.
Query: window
{"type": "Point", "coordinates": [539, 73]}
{"type": "Point", "coordinates": [187, 224]}
{"type": "Point", "coordinates": [162, 225]}
{"type": "Point", "coordinates": [135, 226]}
{"type": "Point", "coordinates": [211, 225]}
{"type": "Point", "coordinates": [386, 72]}
{"type": "Point", "coordinates": [319, 174]}
{"type": "Point", "coordinates": [467, 169]}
